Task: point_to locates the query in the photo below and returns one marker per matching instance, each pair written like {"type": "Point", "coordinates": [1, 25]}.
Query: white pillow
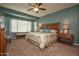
{"type": "Point", "coordinates": [41, 30]}
{"type": "Point", "coordinates": [53, 31]}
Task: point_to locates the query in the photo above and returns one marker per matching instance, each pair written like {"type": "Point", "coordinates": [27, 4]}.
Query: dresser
{"type": "Point", "coordinates": [3, 43]}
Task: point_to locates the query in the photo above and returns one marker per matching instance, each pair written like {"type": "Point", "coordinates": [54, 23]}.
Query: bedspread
{"type": "Point", "coordinates": [42, 38]}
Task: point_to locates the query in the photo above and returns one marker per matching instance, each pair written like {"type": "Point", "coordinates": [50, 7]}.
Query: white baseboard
{"type": "Point", "coordinates": [76, 44]}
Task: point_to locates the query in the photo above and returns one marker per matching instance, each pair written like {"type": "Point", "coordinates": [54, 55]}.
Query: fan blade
{"type": "Point", "coordinates": [38, 4]}
{"type": "Point", "coordinates": [42, 8]}
{"type": "Point", "coordinates": [30, 9]}
{"type": "Point", "coordinates": [31, 5]}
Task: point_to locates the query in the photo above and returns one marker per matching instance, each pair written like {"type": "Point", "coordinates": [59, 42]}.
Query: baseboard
{"type": "Point", "coordinates": [76, 44]}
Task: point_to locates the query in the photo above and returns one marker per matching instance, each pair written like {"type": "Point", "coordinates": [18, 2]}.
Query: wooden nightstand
{"type": "Point", "coordinates": [66, 38]}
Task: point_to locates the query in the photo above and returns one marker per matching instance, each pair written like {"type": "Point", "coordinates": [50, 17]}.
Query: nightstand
{"type": "Point", "coordinates": [66, 38]}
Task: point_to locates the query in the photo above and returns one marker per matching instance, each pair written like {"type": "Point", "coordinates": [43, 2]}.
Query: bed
{"type": "Point", "coordinates": [44, 39]}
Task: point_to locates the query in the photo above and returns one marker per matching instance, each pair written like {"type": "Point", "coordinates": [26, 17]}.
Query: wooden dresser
{"type": "Point", "coordinates": [2, 42]}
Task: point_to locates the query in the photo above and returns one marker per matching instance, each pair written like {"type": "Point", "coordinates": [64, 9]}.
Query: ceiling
{"type": "Point", "coordinates": [51, 7]}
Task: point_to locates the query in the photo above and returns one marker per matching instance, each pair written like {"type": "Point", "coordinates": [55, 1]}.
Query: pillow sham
{"type": "Point", "coordinates": [44, 30]}
{"type": "Point", "coordinates": [47, 30]}
{"type": "Point", "coordinates": [53, 31]}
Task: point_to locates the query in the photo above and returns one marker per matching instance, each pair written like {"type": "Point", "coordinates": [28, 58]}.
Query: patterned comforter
{"type": "Point", "coordinates": [42, 38]}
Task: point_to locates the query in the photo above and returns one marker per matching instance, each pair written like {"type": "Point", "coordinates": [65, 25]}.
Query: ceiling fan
{"type": "Point", "coordinates": [36, 7]}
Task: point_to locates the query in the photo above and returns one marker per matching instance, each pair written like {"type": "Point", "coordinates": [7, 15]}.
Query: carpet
{"type": "Point", "coordinates": [21, 47]}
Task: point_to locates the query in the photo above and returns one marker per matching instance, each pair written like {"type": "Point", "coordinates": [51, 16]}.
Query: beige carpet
{"type": "Point", "coordinates": [21, 47]}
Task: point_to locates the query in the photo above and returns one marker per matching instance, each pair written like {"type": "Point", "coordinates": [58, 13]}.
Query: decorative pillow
{"type": "Point", "coordinates": [44, 30]}
{"type": "Point", "coordinates": [41, 30]}
{"type": "Point", "coordinates": [53, 31]}
{"type": "Point", "coordinates": [48, 30]}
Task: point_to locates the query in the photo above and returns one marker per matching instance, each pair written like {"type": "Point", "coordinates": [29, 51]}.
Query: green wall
{"type": "Point", "coordinates": [72, 14]}
{"type": "Point", "coordinates": [12, 14]}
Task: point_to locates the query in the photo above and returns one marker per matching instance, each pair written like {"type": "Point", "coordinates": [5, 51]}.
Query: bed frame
{"type": "Point", "coordinates": [55, 26]}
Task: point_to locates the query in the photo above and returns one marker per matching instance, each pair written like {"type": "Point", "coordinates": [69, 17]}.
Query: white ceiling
{"type": "Point", "coordinates": [51, 7]}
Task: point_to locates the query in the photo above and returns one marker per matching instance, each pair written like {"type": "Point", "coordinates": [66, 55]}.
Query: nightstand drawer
{"type": "Point", "coordinates": [66, 37]}
{"type": "Point", "coordinates": [68, 42]}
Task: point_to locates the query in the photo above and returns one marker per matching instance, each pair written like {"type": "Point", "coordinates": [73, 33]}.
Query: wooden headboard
{"type": "Point", "coordinates": [55, 26]}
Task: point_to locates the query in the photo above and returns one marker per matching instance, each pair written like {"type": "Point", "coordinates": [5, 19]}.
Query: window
{"type": "Point", "coordinates": [35, 26]}
{"type": "Point", "coordinates": [20, 26]}
{"type": "Point", "coordinates": [14, 27]}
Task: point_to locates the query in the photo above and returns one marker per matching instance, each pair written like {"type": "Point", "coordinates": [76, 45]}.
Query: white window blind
{"type": "Point", "coordinates": [35, 26]}
{"type": "Point", "coordinates": [14, 27]}
{"type": "Point", "coordinates": [20, 26]}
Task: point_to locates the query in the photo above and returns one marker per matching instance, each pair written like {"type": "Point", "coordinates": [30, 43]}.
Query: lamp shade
{"type": "Point", "coordinates": [40, 24]}
{"type": "Point", "coordinates": [66, 21]}
{"type": "Point", "coordinates": [66, 24]}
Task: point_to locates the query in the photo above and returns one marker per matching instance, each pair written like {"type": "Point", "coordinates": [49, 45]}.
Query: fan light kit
{"type": "Point", "coordinates": [36, 7]}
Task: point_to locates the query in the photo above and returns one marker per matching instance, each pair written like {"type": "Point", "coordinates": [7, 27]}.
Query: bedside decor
{"type": "Point", "coordinates": [39, 26]}
{"type": "Point", "coordinates": [66, 26]}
